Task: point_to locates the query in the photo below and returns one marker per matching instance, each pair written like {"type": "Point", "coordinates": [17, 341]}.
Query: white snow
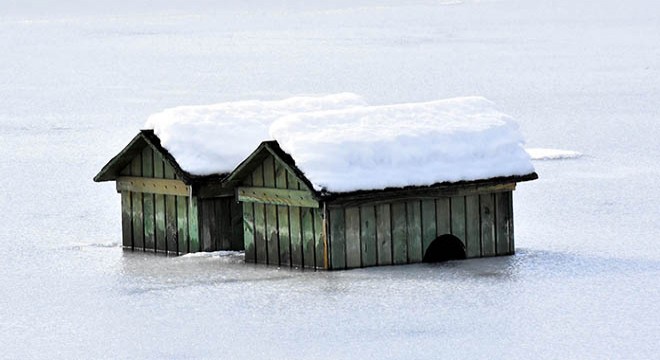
{"type": "Point", "coordinates": [210, 139]}
{"type": "Point", "coordinates": [374, 147]}
{"type": "Point", "coordinates": [552, 154]}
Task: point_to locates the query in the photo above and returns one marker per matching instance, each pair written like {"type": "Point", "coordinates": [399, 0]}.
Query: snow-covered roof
{"type": "Point", "coordinates": [416, 144]}
{"type": "Point", "coordinates": [341, 144]}
{"type": "Point", "coordinates": [214, 139]}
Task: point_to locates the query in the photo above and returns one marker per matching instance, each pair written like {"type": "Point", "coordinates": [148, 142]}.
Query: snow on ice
{"type": "Point", "coordinates": [552, 154]}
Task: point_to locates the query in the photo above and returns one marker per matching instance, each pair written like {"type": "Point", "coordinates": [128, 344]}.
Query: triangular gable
{"type": "Point", "coordinates": [265, 150]}
{"type": "Point", "coordinates": [112, 170]}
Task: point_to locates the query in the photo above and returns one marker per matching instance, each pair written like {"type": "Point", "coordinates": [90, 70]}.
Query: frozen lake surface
{"type": "Point", "coordinates": [77, 82]}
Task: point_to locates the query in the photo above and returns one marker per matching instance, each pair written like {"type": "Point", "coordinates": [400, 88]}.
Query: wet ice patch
{"type": "Point", "coordinates": [552, 154]}
{"type": "Point", "coordinates": [224, 255]}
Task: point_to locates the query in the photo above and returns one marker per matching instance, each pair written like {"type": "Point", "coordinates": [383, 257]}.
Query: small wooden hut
{"type": "Point", "coordinates": [289, 223]}
{"type": "Point", "coordinates": [166, 209]}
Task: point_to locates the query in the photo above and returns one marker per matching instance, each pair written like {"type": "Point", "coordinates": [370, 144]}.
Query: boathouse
{"type": "Point", "coordinates": [287, 222]}
{"type": "Point", "coordinates": [167, 209]}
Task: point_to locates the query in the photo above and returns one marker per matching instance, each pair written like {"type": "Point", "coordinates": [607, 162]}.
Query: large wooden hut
{"type": "Point", "coordinates": [287, 222]}
{"type": "Point", "coordinates": [166, 209]}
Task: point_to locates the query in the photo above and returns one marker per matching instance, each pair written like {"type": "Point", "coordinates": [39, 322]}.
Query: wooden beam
{"type": "Point", "coordinates": [152, 186]}
{"type": "Point", "coordinates": [273, 196]}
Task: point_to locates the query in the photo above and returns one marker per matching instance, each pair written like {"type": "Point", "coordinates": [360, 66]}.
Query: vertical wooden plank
{"type": "Point", "coordinates": [137, 216]}
{"type": "Point", "coordinates": [502, 220]}
{"type": "Point", "coordinates": [126, 215]}
{"type": "Point", "coordinates": [368, 235]}
{"type": "Point", "coordinates": [337, 238]}
{"type": "Point", "coordinates": [193, 225]}
{"type": "Point", "coordinates": [352, 219]}
{"type": "Point", "coordinates": [223, 222]}
{"type": "Point", "coordinates": [442, 216]}
{"type": "Point", "coordinates": [260, 245]}
{"type": "Point", "coordinates": [236, 209]}
{"type": "Point", "coordinates": [414, 227]}
{"type": "Point", "coordinates": [206, 225]}
{"type": "Point", "coordinates": [295, 236]}
{"type": "Point", "coordinates": [487, 224]}
{"type": "Point", "coordinates": [272, 227]}
{"type": "Point", "coordinates": [399, 233]}
{"type": "Point", "coordinates": [428, 224]}
{"type": "Point", "coordinates": [148, 202]}
{"type": "Point", "coordinates": [319, 239]}
{"type": "Point", "coordinates": [248, 232]}
{"type": "Point", "coordinates": [182, 223]}
{"type": "Point", "coordinates": [159, 207]}
{"type": "Point", "coordinates": [307, 224]}
{"type": "Point", "coordinates": [284, 237]}
{"type": "Point", "coordinates": [472, 227]}
{"type": "Point", "coordinates": [171, 231]}
{"type": "Point", "coordinates": [384, 234]}
{"type": "Point", "coordinates": [458, 217]}
{"type": "Point", "coordinates": [512, 245]}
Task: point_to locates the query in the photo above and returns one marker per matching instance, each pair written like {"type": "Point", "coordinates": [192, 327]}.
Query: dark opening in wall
{"type": "Point", "coordinates": [443, 248]}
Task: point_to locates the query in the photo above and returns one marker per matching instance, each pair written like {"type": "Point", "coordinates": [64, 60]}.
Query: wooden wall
{"type": "Point", "coordinates": [221, 224]}
{"type": "Point", "coordinates": [399, 232]}
{"type": "Point", "coordinates": [157, 222]}
{"type": "Point", "coordinates": [278, 234]}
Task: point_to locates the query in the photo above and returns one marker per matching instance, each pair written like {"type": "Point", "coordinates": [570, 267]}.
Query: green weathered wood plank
{"type": "Point", "coordinates": [126, 224]}
{"type": "Point", "coordinates": [159, 207]}
{"type": "Point", "coordinates": [272, 235]}
{"type": "Point", "coordinates": [236, 209]}
{"type": "Point", "coordinates": [248, 233]}
{"type": "Point", "coordinates": [472, 229]}
{"type": "Point", "coordinates": [458, 217]}
{"type": "Point", "coordinates": [414, 226]}
{"type": "Point", "coordinates": [284, 236]}
{"type": "Point", "coordinates": [399, 233]}
{"type": "Point", "coordinates": [260, 244]}
{"type": "Point", "coordinates": [148, 202]}
{"type": "Point", "coordinates": [267, 195]}
{"type": "Point", "coordinates": [182, 224]}
{"type": "Point", "coordinates": [171, 231]}
{"type": "Point", "coordinates": [292, 182]}
{"type": "Point", "coordinates": [353, 248]}
{"type": "Point", "coordinates": [272, 227]}
{"type": "Point", "coordinates": [152, 186]}
{"type": "Point", "coordinates": [193, 225]}
{"type": "Point", "coordinates": [512, 245]}
{"type": "Point", "coordinates": [223, 221]}
{"type": "Point", "coordinates": [368, 236]}
{"type": "Point", "coordinates": [337, 238]}
{"type": "Point", "coordinates": [280, 175]}
{"type": "Point", "coordinates": [428, 223]}
{"type": "Point", "coordinates": [137, 216]}
{"type": "Point", "coordinates": [319, 240]}
{"type": "Point", "coordinates": [442, 216]}
{"type": "Point", "coordinates": [295, 236]}
{"type": "Point", "coordinates": [207, 215]}
{"type": "Point", "coordinates": [487, 225]}
{"type": "Point", "coordinates": [307, 224]}
{"type": "Point", "coordinates": [384, 234]}
{"type": "Point", "coordinates": [502, 220]}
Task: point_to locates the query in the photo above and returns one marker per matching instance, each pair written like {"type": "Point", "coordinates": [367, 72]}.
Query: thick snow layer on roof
{"type": "Point", "coordinates": [375, 147]}
{"type": "Point", "coordinates": [215, 138]}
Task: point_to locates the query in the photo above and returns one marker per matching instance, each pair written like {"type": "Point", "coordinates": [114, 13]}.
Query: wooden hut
{"type": "Point", "coordinates": [166, 209]}
{"type": "Point", "coordinates": [289, 223]}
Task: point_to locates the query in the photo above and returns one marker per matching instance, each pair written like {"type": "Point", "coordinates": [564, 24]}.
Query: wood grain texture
{"type": "Point", "coordinates": [428, 223]}
{"type": "Point", "coordinates": [338, 240]}
{"type": "Point", "coordinates": [248, 232]}
{"type": "Point", "coordinates": [368, 236]}
{"type": "Point", "coordinates": [458, 217]}
{"type": "Point", "coordinates": [443, 216]}
{"type": "Point", "coordinates": [384, 234]}
{"type": "Point", "coordinates": [414, 231]}
{"type": "Point", "coordinates": [308, 241]}
{"type": "Point", "coordinates": [399, 233]}
{"type": "Point", "coordinates": [352, 220]}
{"type": "Point", "coordinates": [472, 230]}
{"type": "Point", "coordinates": [182, 223]}
{"type": "Point", "coordinates": [295, 235]}
{"type": "Point", "coordinates": [319, 240]}
{"type": "Point", "coordinates": [487, 225]}
{"type": "Point", "coordinates": [126, 222]}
